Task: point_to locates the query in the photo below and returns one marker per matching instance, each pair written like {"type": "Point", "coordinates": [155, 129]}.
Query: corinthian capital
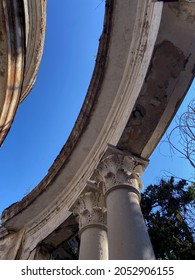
{"type": "Point", "coordinates": [90, 208]}
{"type": "Point", "coordinates": [118, 170]}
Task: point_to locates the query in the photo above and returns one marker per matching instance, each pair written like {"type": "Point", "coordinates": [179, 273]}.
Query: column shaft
{"type": "Point", "coordinates": [127, 234]}
{"type": "Point", "coordinates": [94, 244]}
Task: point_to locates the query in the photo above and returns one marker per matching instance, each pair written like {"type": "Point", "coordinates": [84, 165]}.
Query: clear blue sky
{"type": "Point", "coordinates": [44, 120]}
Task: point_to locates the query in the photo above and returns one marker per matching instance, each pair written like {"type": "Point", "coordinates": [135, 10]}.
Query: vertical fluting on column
{"type": "Point", "coordinates": [91, 211]}
{"type": "Point", "coordinates": [119, 175]}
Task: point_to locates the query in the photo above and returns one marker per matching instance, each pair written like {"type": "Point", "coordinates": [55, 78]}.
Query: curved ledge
{"type": "Point", "coordinates": [13, 50]}
{"type": "Point", "coordinates": [35, 25]}
{"type": "Point", "coordinates": [21, 52]}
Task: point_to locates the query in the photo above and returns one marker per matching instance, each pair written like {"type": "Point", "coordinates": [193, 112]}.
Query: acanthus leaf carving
{"type": "Point", "coordinates": [90, 209]}
{"type": "Point", "coordinates": [118, 169]}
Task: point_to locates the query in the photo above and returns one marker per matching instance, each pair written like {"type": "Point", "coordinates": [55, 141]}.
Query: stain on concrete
{"type": "Point", "coordinates": [167, 63]}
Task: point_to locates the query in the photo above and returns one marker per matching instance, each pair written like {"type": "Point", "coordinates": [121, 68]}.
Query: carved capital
{"type": "Point", "coordinates": [90, 208]}
{"type": "Point", "coordinates": [118, 170]}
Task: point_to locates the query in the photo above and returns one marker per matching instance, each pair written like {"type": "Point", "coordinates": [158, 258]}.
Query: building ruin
{"type": "Point", "coordinates": [90, 196]}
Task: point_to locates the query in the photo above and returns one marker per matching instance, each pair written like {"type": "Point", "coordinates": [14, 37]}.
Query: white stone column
{"type": "Point", "coordinates": [91, 211]}
{"type": "Point", "coordinates": [128, 238]}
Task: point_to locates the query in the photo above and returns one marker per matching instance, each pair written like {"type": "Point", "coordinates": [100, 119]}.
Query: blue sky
{"type": "Point", "coordinates": [44, 120]}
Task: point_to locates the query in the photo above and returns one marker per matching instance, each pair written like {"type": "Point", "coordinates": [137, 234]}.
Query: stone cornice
{"type": "Point", "coordinates": [12, 70]}
{"type": "Point", "coordinates": [35, 26]}
{"type": "Point", "coordinates": [22, 27]}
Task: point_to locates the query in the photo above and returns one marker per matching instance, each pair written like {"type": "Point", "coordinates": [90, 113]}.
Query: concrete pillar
{"type": "Point", "coordinates": [91, 211]}
{"type": "Point", "coordinates": [128, 238]}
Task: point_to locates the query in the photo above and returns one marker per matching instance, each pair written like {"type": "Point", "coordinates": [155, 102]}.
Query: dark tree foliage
{"type": "Point", "coordinates": [169, 212]}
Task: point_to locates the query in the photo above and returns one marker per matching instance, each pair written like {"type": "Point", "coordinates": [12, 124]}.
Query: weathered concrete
{"type": "Point", "coordinates": [94, 244]}
{"type": "Point", "coordinates": [10, 245]}
{"type": "Point", "coordinates": [167, 81]}
{"type": "Point", "coordinates": [144, 67]}
{"type": "Point", "coordinates": [22, 32]}
{"type": "Point", "coordinates": [128, 238]}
